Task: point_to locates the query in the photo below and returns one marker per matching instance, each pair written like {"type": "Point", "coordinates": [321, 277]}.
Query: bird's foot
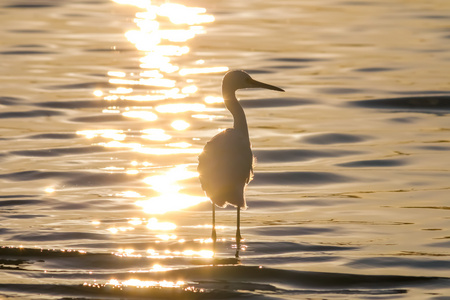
{"type": "Point", "coordinates": [238, 243]}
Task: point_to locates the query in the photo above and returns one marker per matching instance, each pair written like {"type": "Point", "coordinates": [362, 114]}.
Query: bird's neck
{"type": "Point", "coordinates": [232, 104]}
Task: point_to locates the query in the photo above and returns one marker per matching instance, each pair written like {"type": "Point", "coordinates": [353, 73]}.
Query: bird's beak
{"type": "Point", "coordinates": [258, 84]}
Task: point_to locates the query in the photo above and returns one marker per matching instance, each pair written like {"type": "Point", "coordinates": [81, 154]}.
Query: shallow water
{"type": "Point", "coordinates": [106, 105]}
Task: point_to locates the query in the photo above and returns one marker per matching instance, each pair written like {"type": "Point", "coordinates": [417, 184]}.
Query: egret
{"type": "Point", "coordinates": [225, 165]}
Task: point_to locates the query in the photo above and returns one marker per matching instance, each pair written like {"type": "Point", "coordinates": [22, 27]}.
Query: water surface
{"type": "Point", "coordinates": [105, 106]}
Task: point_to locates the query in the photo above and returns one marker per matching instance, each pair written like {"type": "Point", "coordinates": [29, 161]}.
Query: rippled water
{"type": "Point", "coordinates": [106, 105]}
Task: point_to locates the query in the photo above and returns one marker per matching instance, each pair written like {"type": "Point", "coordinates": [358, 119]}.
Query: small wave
{"type": "Point", "coordinates": [26, 52]}
{"type": "Point", "coordinates": [70, 268]}
{"type": "Point", "coordinates": [10, 100]}
{"type": "Point", "coordinates": [30, 114]}
{"type": "Point", "coordinates": [52, 152]}
{"type": "Point", "coordinates": [101, 118]}
{"type": "Point", "coordinates": [298, 178]}
{"type": "Point", "coordinates": [292, 155]}
{"type": "Point", "coordinates": [334, 138]}
{"type": "Point", "coordinates": [420, 104]}
{"type": "Point", "coordinates": [274, 102]}
{"type": "Point", "coordinates": [374, 163]}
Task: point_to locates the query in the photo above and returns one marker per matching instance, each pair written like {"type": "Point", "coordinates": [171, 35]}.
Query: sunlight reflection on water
{"type": "Point", "coordinates": [152, 33]}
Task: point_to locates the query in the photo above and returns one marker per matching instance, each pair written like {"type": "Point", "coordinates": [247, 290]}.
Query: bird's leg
{"type": "Point", "coordinates": [213, 234]}
{"type": "Point", "coordinates": [238, 232]}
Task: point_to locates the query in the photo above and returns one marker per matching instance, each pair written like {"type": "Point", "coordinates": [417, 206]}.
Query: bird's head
{"type": "Point", "coordinates": [237, 79]}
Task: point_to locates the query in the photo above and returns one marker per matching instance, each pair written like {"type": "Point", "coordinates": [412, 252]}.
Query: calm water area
{"type": "Point", "coordinates": [105, 106]}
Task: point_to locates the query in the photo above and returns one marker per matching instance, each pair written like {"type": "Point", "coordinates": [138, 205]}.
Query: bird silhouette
{"type": "Point", "coordinates": [226, 163]}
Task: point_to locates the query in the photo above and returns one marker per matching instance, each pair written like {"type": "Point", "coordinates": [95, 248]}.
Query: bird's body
{"type": "Point", "coordinates": [226, 163]}
{"type": "Point", "coordinates": [225, 167]}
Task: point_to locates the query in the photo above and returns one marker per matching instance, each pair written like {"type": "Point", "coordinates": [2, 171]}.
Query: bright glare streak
{"type": "Point", "coordinates": [145, 115]}
{"type": "Point", "coordinates": [180, 125]}
{"type": "Point", "coordinates": [132, 172]}
{"type": "Point", "coordinates": [186, 71]}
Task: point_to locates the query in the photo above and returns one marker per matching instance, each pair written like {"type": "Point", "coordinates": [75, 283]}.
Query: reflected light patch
{"type": "Point", "coordinates": [159, 268]}
{"type": "Point", "coordinates": [166, 151]}
{"type": "Point", "coordinates": [180, 125]}
{"type": "Point", "coordinates": [166, 237]}
{"type": "Point", "coordinates": [180, 108]}
{"type": "Point", "coordinates": [140, 97]}
{"type": "Point", "coordinates": [113, 230]}
{"type": "Point", "coordinates": [117, 144]}
{"type": "Point", "coordinates": [114, 134]}
{"type": "Point", "coordinates": [201, 253]}
{"type": "Point", "coordinates": [49, 190]}
{"type": "Point", "coordinates": [98, 93]}
{"type": "Point", "coordinates": [180, 14]}
{"type": "Point", "coordinates": [145, 115]}
{"type": "Point", "coordinates": [159, 82]}
{"type": "Point", "coordinates": [212, 99]}
{"type": "Point", "coordinates": [111, 111]}
{"type": "Point", "coordinates": [169, 202]}
{"type": "Point", "coordinates": [117, 74]}
{"type": "Point", "coordinates": [179, 145]}
{"type": "Point", "coordinates": [170, 198]}
{"type": "Point", "coordinates": [121, 90]}
{"type": "Point", "coordinates": [138, 3]}
{"type": "Point", "coordinates": [178, 35]}
{"type": "Point", "coordinates": [187, 71]}
{"type": "Point", "coordinates": [155, 135]}
{"type": "Point", "coordinates": [189, 89]}
{"type": "Point", "coordinates": [154, 224]}
{"type": "Point", "coordinates": [135, 221]}
{"type": "Point", "coordinates": [145, 284]}
{"type": "Point", "coordinates": [146, 23]}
